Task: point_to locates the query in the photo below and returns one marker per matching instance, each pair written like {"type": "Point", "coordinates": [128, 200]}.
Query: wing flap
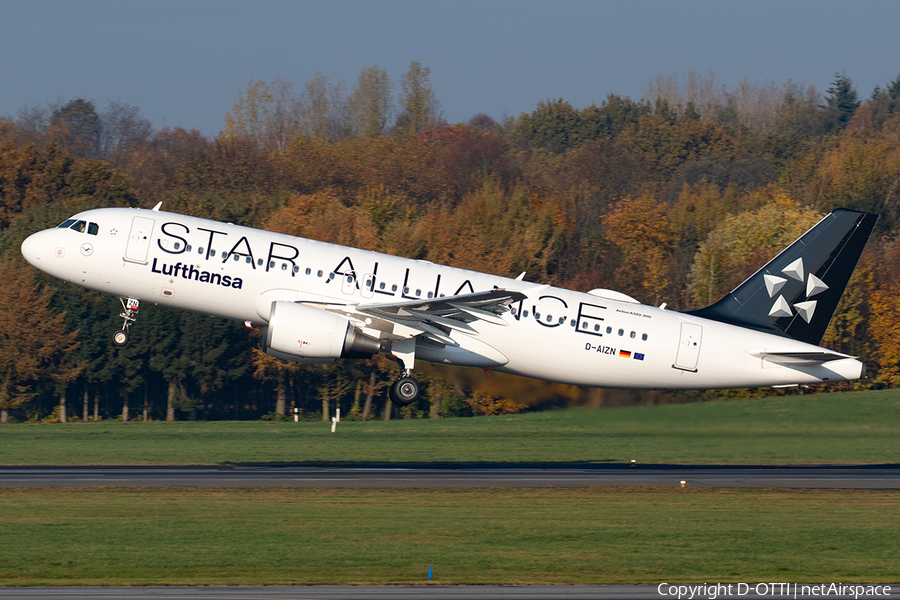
{"type": "Point", "coordinates": [434, 318]}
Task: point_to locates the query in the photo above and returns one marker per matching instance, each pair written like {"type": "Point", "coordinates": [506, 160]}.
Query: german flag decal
{"type": "Point", "coordinates": [625, 353]}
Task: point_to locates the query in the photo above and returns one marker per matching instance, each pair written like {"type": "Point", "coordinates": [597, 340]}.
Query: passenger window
{"type": "Point", "coordinates": [644, 337]}
{"type": "Point", "coordinates": [187, 248]}
{"type": "Point", "coordinates": [633, 334]}
{"type": "Point", "coordinates": [212, 252]}
{"type": "Point", "coordinates": [406, 290]}
{"type": "Point", "coordinates": [596, 327]}
{"type": "Point", "coordinates": [584, 325]}
{"type": "Point", "coordinates": [66, 224]}
{"type": "Point", "coordinates": [525, 313]}
{"type": "Point", "coordinates": [178, 245]}
{"type": "Point", "coordinates": [308, 271]}
{"type": "Point", "coordinates": [430, 295]}
{"type": "Point", "coordinates": [609, 330]}
{"type": "Point", "coordinates": [563, 320]}
{"type": "Point", "coordinates": [394, 288]}
{"type": "Point", "coordinates": [320, 273]}
{"type": "Point", "coordinates": [93, 229]}
{"type": "Point", "coordinates": [249, 260]}
{"type": "Point", "coordinates": [200, 250]}
{"type": "Point", "coordinates": [272, 266]}
{"type": "Point", "coordinates": [259, 263]}
{"type": "Point", "coordinates": [537, 316]}
{"type": "Point", "coordinates": [296, 269]}
{"type": "Point", "coordinates": [621, 332]}
{"type": "Point", "coordinates": [549, 318]}
{"type": "Point", "coordinates": [381, 286]}
{"type": "Point", "coordinates": [284, 266]}
{"type": "Point", "coordinates": [237, 257]}
{"type": "Point", "coordinates": [418, 293]}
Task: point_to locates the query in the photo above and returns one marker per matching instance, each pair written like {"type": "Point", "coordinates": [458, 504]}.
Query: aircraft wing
{"type": "Point", "coordinates": [435, 318]}
{"type": "Point", "coordinates": [801, 359]}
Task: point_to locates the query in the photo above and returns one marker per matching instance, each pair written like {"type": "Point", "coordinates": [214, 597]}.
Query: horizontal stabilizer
{"type": "Point", "coordinates": [800, 359]}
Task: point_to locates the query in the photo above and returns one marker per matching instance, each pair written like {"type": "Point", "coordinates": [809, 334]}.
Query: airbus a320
{"type": "Point", "coordinates": [319, 302]}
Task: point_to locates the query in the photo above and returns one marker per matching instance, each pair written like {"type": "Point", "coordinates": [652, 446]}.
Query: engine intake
{"type": "Point", "coordinates": [302, 333]}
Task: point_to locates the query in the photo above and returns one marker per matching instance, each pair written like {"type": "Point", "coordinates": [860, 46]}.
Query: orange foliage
{"type": "Point", "coordinates": [640, 229]}
{"type": "Point", "coordinates": [321, 216]}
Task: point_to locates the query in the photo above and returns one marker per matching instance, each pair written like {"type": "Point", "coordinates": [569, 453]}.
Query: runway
{"type": "Point", "coordinates": [883, 477]}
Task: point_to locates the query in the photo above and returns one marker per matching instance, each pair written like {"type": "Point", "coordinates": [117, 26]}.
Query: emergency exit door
{"type": "Point", "coordinates": [689, 347]}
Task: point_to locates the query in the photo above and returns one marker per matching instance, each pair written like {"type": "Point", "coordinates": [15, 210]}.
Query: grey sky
{"type": "Point", "coordinates": [182, 62]}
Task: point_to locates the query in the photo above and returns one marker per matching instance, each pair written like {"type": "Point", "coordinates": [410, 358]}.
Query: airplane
{"type": "Point", "coordinates": [319, 302]}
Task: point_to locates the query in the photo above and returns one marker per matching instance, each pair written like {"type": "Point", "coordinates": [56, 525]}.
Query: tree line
{"type": "Point", "coordinates": [674, 197]}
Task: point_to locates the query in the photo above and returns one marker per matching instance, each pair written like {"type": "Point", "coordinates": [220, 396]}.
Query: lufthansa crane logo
{"type": "Point", "coordinates": [87, 249]}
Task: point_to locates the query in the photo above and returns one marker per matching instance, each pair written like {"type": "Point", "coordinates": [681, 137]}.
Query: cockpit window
{"type": "Point", "coordinates": [66, 224]}
{"type": "Point", "coordinates": [79, 226]}
{"type": "Point", "coordinates": [93, 228]}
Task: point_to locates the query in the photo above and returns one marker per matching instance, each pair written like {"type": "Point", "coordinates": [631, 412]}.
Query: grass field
{"type": "Point", "coordinates": [848, 428]}
{"type": "Point", "coordinates": [134, 536]}
{"type": "Point", "coordinates": [586, 536]}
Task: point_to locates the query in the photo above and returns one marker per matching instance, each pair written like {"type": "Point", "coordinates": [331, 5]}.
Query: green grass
{"type": "Point", "coordinates": [846, 428]}
{"type": "Point", "coordinates": [587, 536]}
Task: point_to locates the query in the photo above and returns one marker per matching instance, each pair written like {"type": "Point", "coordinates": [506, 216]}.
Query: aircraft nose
{"type": "Point", "coordinates": [32, 248]}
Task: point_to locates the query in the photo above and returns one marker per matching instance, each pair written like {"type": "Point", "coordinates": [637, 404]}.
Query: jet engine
{"type": "Point", "coordinates": [301, 333]}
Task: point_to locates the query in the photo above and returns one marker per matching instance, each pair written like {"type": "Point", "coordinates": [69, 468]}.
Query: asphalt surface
{"type": "Point", "coordinates": [442, 476]}
{"type": "Point", "coordinates": [456, 476]}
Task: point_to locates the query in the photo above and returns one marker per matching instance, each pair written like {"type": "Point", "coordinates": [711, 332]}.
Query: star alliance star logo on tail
{"type": "Point", "coordinates": [781, 307]}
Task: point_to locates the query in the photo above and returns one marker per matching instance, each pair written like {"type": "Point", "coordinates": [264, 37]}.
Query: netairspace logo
{"type": "Point", "coordinates": [772, 590]}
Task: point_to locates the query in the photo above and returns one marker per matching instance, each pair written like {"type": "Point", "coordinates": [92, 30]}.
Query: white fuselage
{"type": "Point", "coordinates": [555, 334]}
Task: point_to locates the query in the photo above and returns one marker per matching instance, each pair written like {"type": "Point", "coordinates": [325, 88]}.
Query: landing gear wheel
{"type": "Point", "coordinates": [404, 391]}
{"type": "Point", "coordinates": [120, 338]}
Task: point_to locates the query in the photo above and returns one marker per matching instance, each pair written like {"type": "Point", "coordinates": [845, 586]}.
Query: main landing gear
{"type": "Point", "coordinates": [130, 306]}
{"type": "Point", "coordinates": [406, 389]}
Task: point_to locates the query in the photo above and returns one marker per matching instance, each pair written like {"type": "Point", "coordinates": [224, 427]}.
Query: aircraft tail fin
{"type": "Point", "coordinates": [796, 293]}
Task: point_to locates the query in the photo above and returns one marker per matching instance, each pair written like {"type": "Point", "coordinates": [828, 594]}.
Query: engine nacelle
{"type": "Point", "coordinates": [305, 334]}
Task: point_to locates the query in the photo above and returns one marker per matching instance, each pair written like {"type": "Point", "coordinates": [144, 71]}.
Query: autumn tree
{"type": "Point", "coordinates": [122, 129]}
{"type": "Point", "coordinates": [33, 338]}
{"type": "Point", "coordinates": [277, 371]}
{"type": "Point", "coordinates": [76, 126]}
{"type": "Point", "coordinates": [266, 113]}
{"type": "Point", "coordinates": [419, 107]}
{"type": "Point", "coordinates": [640, 230]}
{"type": "Point", "coordinates": [369, 104]}
{"type": "Point", "coordinates": [323, 109]}
{"type": "Point", "coordinates": [744, 242]}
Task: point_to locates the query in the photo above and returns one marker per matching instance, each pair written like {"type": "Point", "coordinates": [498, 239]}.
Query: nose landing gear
{"type": "Point", "coordinates": [130, 306]}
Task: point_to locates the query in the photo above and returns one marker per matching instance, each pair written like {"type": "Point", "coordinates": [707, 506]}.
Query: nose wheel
{"type": "Point", "coordinates": [120, 338]}
{"type": "Point", "coordinates": [130, 307]}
